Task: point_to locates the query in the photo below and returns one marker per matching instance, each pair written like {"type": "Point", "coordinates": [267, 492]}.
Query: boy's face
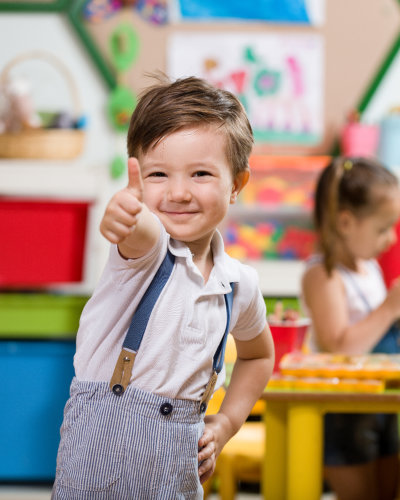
{"type": "Point", "coordinates": [188, 182]}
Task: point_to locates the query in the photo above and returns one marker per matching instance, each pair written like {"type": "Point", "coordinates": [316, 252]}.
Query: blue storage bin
{"type": "Point", "coordinates": [35, 378]}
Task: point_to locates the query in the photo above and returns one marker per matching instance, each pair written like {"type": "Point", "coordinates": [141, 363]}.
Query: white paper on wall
{"type": "Point", "coordinates": [277, 77]}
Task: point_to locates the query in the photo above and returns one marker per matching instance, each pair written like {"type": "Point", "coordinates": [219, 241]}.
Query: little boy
{"type": "Point", "coordinates": [150, 344]}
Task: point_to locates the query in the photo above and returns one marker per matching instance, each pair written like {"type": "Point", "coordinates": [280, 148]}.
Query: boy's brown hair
{"type": "Point", "coordinates": [167, 107]}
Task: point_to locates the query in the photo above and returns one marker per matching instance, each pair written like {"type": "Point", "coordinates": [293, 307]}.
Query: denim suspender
{"type": "Point", "coordinates": [219, 356]}
{"type": "Point", "coordinates": [123, 368]}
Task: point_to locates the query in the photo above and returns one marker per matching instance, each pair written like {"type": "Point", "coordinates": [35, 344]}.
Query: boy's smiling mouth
{"type": "Point", "coordinates": [174, 214]}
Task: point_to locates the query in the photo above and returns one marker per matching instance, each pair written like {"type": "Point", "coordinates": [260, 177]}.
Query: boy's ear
{"type": "Point", "coordinates": [239, 183]}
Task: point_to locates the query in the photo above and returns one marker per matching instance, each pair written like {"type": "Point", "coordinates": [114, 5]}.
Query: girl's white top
{"type": "Point", "coordinates": [185, 328]}
{"type": "Point", "coordinates": [364, 292]}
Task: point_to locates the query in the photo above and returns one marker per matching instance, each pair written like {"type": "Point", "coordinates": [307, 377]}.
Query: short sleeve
{"type": "Point", "coordinates": [249, 314]}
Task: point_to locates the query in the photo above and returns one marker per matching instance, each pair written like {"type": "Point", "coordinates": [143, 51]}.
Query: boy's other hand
{"type": "Point", "coordinates": [216, 434]}
{"type": "Point", "coordinates": [123, 210]}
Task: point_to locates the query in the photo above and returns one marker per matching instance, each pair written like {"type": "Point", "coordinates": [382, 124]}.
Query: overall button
{"type": "Point", "coordinates": [117, 389]}
{"type": "Point", "coordinates": [166, 408]}
{"type": "Point", "coordinates": [203, 407]}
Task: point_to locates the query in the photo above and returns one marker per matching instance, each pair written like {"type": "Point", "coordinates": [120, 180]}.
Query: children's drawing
{"type": "Point", "coordinates": [277, 77]}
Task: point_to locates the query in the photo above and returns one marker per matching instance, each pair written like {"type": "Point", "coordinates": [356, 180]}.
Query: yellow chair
{"type": "Point", "coordinates": [241, 459]}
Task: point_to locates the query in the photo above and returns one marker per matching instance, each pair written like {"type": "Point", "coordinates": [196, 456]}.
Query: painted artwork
{"type": "Point", "coordinates": [277, 77]}
{"type": "Point", "coordinates": [284, 11]}
{"type": "Point", "coordinates": [153, 11]}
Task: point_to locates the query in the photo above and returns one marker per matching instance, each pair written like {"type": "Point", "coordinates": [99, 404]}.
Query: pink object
{"type": "Point", "coordinates": [296, 75]}
{"type": "Point", "coordinates": [359, 139]}
{"type": "Point", "coordinates": [288, 336]}
{"type": "Point", "coordinates": [390, 261]}
{"type": "Point", "coordinates": [239, 79]}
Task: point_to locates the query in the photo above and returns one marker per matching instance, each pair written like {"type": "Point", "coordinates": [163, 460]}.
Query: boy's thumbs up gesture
{"type": "Point", "coordinates": [125, 207]}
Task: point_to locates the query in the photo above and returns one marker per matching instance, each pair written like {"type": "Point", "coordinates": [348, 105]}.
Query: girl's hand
{"type": "Point", "coordinates": [122, 212]}
{"type": "Point", "coordinates": [214, 438]}
{"type": "Point", "coordinates": [393, 298]}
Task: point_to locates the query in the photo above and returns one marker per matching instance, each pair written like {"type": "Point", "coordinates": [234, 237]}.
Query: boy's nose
{"type": "Point", "coordinates": [179, 191]}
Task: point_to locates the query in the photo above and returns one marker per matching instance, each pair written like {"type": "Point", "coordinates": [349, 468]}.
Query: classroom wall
{"type": "Point", "coordinates": [357, 35]}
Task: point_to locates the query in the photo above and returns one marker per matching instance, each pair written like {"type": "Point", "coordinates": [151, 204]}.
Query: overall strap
{"type": "Point", "coordinates": [123, 369]}
{"type": "Point", "coordinates": [219, 356]}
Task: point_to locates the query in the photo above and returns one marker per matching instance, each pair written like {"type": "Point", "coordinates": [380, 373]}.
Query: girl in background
{"type": "Point", "coordinates": [357, 205]}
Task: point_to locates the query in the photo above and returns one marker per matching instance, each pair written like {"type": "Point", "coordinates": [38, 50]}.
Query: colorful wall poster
{"type": "Point", "coordinates": [277, 77]}
{"type": "Point", "coordinates": [283, 11]}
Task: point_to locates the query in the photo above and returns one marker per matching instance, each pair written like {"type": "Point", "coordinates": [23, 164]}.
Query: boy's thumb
{"type": "Point", "coordinates": [135, 182]}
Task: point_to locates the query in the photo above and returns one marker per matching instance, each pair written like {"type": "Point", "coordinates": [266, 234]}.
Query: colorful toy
{"type": "Point", "coordinates": [268, 240]}
{"type": "Point", "coordinates": [281, 185]}
{"type": "Point", "coordinates": [17, 110]}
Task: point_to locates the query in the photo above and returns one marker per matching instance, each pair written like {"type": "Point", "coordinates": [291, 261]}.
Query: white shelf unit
{"type": "Point", "coordinates": [279, 278]}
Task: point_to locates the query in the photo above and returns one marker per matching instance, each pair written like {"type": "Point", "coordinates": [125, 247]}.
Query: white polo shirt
{"type": "Point", "coordinates": [186, 324]}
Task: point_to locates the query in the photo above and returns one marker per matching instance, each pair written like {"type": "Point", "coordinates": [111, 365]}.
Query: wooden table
{"type": "Point", "coordinates": [292, 468]}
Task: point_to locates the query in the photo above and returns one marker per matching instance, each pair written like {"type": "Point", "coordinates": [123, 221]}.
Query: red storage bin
{"type": "Point", "coordinates": [42, 241]}
{"type": "Point", "coordinates": [288, 336]}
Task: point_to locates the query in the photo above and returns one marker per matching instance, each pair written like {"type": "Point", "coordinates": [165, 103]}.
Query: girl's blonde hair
{"type": "Point", "coordinates": [167, 107]}
{"type": "Point", "coordinates": [347, 184]}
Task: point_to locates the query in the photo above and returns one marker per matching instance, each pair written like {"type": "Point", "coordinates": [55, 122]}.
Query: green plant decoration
{"type": "Point", "coordinates": [121, 103]}
{"type": "Point", "coordinates": [118, 167]}
{"type": "Point", "coordinates": [124, 47]}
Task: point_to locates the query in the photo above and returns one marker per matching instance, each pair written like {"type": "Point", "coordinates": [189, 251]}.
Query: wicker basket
{"type": "Point", "coordinates": [52, 144]}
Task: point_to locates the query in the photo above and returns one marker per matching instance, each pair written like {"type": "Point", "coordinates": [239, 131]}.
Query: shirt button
{"type": "Point", "coordinates": [166, 408]}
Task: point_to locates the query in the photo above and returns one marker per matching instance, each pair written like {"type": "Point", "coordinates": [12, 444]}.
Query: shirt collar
{"type": "Point", "coordinates": [225, 270]}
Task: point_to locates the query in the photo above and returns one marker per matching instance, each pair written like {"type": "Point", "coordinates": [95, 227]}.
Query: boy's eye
{"type": "Point", "coordinates": [157, 174]}
{"type": "Point", "coordinates": [201, 173]}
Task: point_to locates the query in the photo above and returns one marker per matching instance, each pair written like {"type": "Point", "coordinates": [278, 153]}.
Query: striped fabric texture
{"type": "Point", "coordinates": [130, 447]}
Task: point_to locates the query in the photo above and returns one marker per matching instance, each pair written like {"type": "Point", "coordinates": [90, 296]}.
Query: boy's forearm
{"type": "Point", "coordinates": [248, 381]}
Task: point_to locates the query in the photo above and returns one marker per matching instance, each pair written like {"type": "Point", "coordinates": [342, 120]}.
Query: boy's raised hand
{"type": "Point", "coordinates": [124, 208]}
